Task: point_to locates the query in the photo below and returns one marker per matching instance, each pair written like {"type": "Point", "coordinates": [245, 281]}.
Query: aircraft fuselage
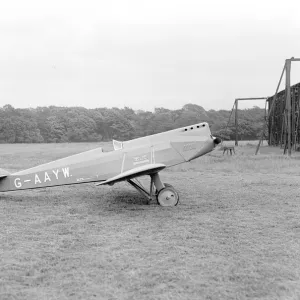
{"type": "Point", "coordinates": [169, 148]}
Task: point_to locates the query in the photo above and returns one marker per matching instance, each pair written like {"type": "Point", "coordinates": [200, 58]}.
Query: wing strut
{"type": "Point", "coordinates": [140, 188]}
{"type": "Point", "coordinates": [154, 181]}
{"type": "Point", "coordinates": [165, 194]}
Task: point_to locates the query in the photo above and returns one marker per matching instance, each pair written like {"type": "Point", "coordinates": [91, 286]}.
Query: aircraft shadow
{"type": "Point", "coordinates": [128, 197]}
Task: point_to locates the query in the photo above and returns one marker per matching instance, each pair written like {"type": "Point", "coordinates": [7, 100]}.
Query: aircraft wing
{"type": "Point", "coordinates": [135, 172]}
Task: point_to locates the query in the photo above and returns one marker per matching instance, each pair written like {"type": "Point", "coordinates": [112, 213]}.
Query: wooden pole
{"type": "Point", "coordinates": [228, 121]}
{"type": "Point", "coordinates": [252, 98]}
{"type": "Point", "coordinates": [288, 103]}
{"type": "Point", "coordinates": [282, 134]}
{"type": "Point", "coordinates": [267, 103]}
{"type": "Point", "coordinates": [293, 120]}
{"type": "Point", "coordinates": [269, 121]}
{"type": "Point", "coordinates": [270, 111]}
{"type": "Point", "coordinates": [282, 119]}
{"type": "Point", "coordinates": [236, 123]}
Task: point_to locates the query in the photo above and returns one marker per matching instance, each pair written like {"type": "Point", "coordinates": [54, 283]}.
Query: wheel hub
{"type": "Point", "coordinates": [167, 197]}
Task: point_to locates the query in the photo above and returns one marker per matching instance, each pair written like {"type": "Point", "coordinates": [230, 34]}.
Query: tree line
{"type": "Point", "coordinates": [77, 124]}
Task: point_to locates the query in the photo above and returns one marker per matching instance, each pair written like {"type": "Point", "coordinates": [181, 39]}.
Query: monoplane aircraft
{"type": "Point", "coordinates": [129, 160]}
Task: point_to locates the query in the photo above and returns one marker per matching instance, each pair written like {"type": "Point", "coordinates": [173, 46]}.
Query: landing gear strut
{"type": "Point", "coordinates": [165, 193]}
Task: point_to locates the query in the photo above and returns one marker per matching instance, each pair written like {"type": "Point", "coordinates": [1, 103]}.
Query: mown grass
{"type": "Point", "coordinates": [234, 235]}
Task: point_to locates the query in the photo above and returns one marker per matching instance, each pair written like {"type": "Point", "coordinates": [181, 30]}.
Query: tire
{"type": "Point", "coordinates": [167, 196]}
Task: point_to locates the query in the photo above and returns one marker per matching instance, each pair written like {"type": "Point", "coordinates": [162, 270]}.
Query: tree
{"type": "Point", "coordinates": [77, 124]}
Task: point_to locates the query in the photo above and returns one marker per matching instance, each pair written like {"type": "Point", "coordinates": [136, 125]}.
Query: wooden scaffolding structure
{"type": "Point", "coordinates": [278, 129]}
{"type": "Point", "coordinates": [282, 120]}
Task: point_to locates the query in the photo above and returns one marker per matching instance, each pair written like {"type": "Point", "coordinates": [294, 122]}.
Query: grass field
{"type": "Point", "coordinates": [234, 235]}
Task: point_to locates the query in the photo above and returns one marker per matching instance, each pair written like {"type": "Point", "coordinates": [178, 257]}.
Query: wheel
{"type": "Point", "coordinates": [170, 185]}
{"type": "Point", "coordinates": [167, 185]}
{"type": "Point", "coordinates": [167, 196]}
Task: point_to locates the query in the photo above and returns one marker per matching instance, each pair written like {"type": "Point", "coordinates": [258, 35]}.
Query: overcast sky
{"type": "Point", "coordinates": [144, 54]}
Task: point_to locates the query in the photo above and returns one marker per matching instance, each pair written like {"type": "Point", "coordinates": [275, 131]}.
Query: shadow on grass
{"type": "Point", "coordinates": [130, 198]}
{"type": "Point", "coordinates": [11, 197]}
{"type": "Point", "coordinates": [117, 200]}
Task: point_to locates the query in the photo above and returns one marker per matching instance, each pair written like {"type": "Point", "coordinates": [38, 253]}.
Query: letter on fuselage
{"type": "Point", "coordinates": [18, 183]}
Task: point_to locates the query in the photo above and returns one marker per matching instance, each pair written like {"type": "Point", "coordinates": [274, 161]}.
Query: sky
{"type": "Point", "coordinates": [145, 54]}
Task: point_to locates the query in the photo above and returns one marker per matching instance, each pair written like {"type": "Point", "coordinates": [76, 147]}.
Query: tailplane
{"type": "Point", "coordinates": [3, 173]}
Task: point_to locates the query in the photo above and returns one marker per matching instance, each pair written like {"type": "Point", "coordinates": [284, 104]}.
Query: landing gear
{"type": "Point", "coordinates": [167, 185]}
{"type": "Point", "coordinates": [167, 196]}
{"type": "Point", "coordinates": [165, 193]}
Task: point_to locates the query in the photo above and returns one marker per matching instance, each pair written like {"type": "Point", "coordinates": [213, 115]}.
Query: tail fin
{"type": "Point", "coordinates": [3, 173]}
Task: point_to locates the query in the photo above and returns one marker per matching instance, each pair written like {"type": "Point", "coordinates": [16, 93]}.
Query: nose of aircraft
{"type": "Point", "coordinates": [208, 146]}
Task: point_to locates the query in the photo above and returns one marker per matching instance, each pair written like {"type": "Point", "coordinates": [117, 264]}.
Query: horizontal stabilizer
{"type": "Point", "coordinates": [136, 172]}
{"type": "Point", "coordinates": [3, 173]}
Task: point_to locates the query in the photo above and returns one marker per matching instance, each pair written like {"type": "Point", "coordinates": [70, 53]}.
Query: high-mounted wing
{"type": "Point", "coordinates": [136, 172]}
